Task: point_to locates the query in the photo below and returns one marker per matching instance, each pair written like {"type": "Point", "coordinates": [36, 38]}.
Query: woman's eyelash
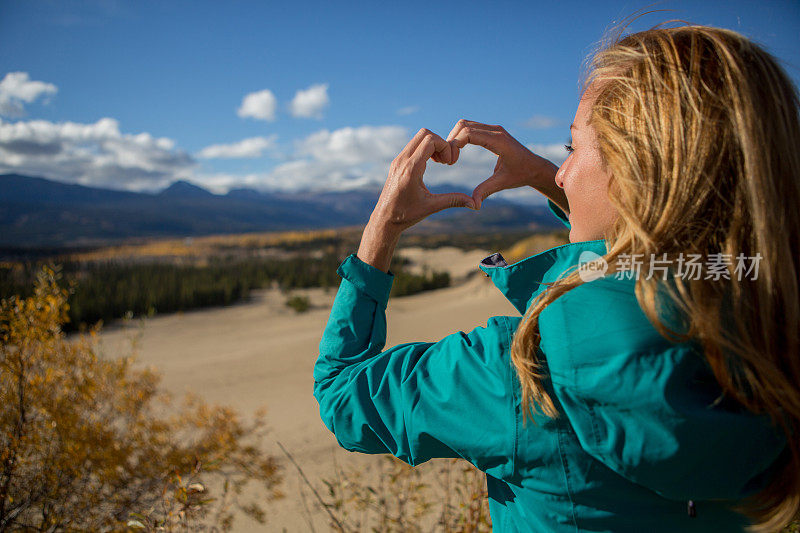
{"type": "Point", "coordinates": [569, 148]}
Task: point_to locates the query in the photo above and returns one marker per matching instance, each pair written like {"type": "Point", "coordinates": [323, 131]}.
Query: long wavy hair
{"type": "Point", "coordinates": [698, 129]}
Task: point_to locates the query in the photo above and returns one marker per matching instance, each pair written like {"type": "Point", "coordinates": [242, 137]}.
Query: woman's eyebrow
{"type": "Point", "coordinates": [572, 127]}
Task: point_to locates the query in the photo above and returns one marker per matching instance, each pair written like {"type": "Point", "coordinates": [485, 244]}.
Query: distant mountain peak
{"type": "Point", "coordinates": [32, 207]}
{"type": "Point", "coordinates": [245, 192]}
{"type": "Point", "coordinates": [185, 189]}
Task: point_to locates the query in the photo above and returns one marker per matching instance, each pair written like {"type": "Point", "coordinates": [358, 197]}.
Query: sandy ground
{"type": "Point", "coordinates": [262, 353]}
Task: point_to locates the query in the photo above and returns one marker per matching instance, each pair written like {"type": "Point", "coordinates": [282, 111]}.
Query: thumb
{"type": "Point", "coordinates": [491, 185]}
{"type": "Point", "coordinates": [451, 199]}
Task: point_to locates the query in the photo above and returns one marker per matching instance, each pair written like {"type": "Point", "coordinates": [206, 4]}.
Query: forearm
{"type": "Point", "coordinates": [355, 332]}
{"type": "Point", "coordinates": [378, 243]}
{"type": "Point", "coordinates": [356, 328]}
{"type": "Point", "coordinates": [545, 183]}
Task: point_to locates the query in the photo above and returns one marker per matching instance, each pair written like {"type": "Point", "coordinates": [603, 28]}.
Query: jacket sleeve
{"type": "Point", "coordinates": [417, 400]}
{"type": "Point", "coordinates": [559, 213]}
{"type": "Point", "coordinates": [645, 407]}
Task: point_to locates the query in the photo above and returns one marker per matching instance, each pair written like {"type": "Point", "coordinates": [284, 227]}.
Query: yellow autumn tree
{"type": "Point", "coordinates": [83, 446]}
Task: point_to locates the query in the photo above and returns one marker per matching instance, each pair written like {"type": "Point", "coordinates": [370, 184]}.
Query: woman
{"type": "Point", "coordinates": [659, 402]}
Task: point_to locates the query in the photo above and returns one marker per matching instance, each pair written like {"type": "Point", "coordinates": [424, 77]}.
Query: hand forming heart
{"type": "Point", "coordinates": [405, 200]}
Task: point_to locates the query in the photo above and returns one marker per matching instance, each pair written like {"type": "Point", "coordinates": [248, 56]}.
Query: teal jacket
{"type": "Point", "coordinates": [639, 446]}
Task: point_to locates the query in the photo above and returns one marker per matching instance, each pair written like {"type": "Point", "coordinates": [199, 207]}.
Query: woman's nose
{"type": "Point", "coordinates": [560, 178]}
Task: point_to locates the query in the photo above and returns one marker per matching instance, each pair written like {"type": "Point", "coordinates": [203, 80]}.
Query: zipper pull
{"type": "Point", "coordinates": [691, 509]}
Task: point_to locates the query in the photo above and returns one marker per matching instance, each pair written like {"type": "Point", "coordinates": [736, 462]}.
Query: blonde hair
{"type": "Point", "coordinates": [698, 129]}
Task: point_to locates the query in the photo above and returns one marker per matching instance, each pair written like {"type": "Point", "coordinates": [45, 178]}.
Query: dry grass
{"type": "Point", "coordinates": [535, 244]}
{"type": "Point", "coordinates": [395, 499]}
{"type": "Point", "coordinates": [203, 246]}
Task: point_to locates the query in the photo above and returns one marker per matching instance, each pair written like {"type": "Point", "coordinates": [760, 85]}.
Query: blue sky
{"type": "Point", "coordinates": [133, 95]}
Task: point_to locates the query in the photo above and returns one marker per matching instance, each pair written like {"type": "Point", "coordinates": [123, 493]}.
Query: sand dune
{"type": "Point", "coordinates": [262, 353]}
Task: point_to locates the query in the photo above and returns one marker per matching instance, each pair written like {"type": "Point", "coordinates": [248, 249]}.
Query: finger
{"type": "Point", "coordinates": [460, 124]}
{"type": "Point", "coordinates": [471, 123]}
{"type": "Point", "coordinates": [491, 140]}
{"type": "Point", "coordinates": [424, 151]}
{"type": "Point", "coordinates": [454, 152]}
{"type": "Point", "coordinates": [412, 145]}
{"type": "Point", "coordinates": [430, 144]}
{"type": "Point", "coordinates": [491, 185]}
{"type": "Point", "coordinates": [446, 200]}
{"type": "Point", "coordinates": [446, 156]}
{"type": "Point", "coordinates": [443, 150]}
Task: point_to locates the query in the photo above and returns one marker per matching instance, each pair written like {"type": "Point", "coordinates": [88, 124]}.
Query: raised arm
{"type": "Point", "coordinates": [545, 183]}
{"type": "Point", "coordinates": [417, 400]}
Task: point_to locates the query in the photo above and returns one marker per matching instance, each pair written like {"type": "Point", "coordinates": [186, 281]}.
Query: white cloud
{"type": "Point", "coordinates": [222, 182]}
{"type": "Point", "coordinates": [246, 148]}
{"type": "Point", "coordinates": [357, 156]}
{"type": "Point", "coordinates": [259, 105]}
{"type": "Point", "coordinates": [91, 154]}
{"type": "Point", "coordinates": [316, 175]}
{"type": "Point", "coordinates": [354, 146]}
{"type": "Point", "coordinates": [540, 122]}
{"type": "Point", "coordinates": [17, 89]}
{"type": "Point", "coordinates": [99, 154]}
{"type": "Point", "coordinates": [339, 159]}
{"type": "Point", "coordinates": [311, 102]}
{"type": "Point", "coordinates": [408, 110]}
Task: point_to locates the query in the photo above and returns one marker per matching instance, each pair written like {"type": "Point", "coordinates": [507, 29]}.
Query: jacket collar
{"type": "Point", "coordinates": [520, 282]}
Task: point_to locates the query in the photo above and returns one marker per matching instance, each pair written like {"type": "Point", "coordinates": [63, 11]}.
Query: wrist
{"type": "Point", "coordinates": [378, 243]}
{"type": "Point", "coordinates": [544, 177]}
{"type": "Point", "coordinates": [383, 223]}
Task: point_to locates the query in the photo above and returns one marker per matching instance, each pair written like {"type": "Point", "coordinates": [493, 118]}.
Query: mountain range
{"type": "Point", "coordinates": [40, 213]}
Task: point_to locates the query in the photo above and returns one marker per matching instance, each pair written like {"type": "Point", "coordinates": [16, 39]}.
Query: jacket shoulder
{"type": "Point", "coordinates": [647, 407]}
{"type": "Point", "coordinates": [598, 318]}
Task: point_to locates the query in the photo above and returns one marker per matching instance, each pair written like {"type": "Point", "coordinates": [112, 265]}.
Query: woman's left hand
{"type": "Point", "coordinates": [405, 200]}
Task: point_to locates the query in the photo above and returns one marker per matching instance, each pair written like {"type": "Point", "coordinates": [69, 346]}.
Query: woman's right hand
{"type": "Point", "coordinates": [516, 165]}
